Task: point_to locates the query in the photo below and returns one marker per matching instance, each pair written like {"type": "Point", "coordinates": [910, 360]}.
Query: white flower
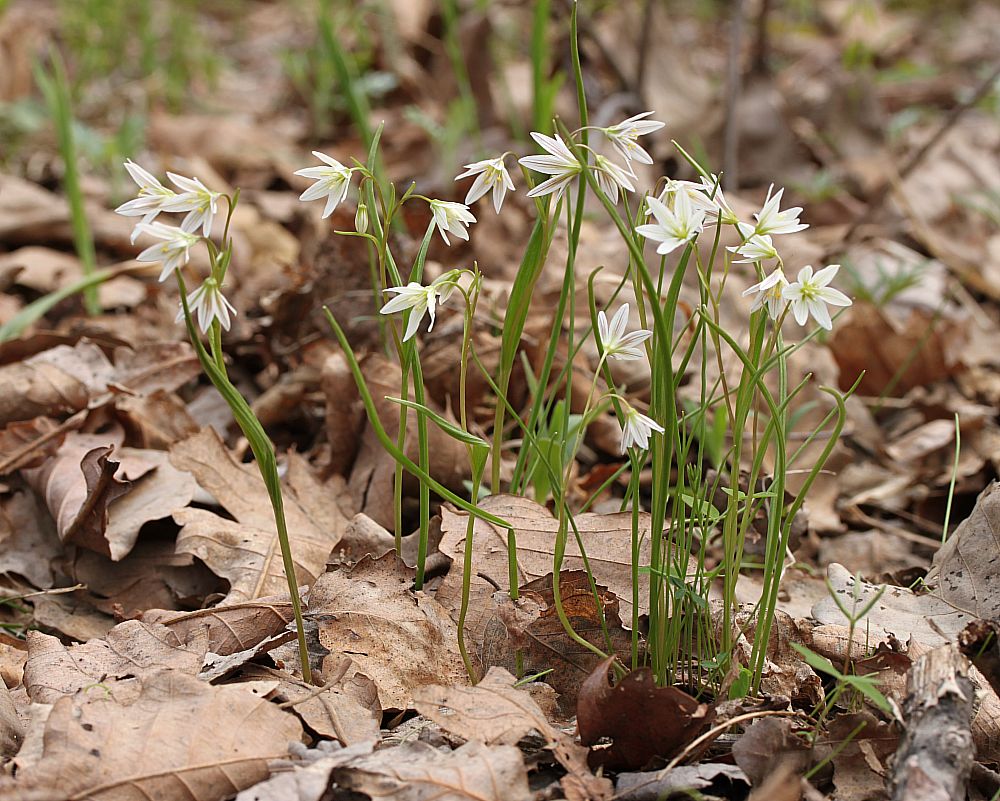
{"type": "Point", "coordinates": [208, 302]}
{"type": "Point", "coordinates": [153, 197]}
{"type": "Point", "coordinates": [769, 291]}
{"type": "Point", "coordinates": [561, 164]}
{"type": "Point", "coordinates": [490, 174]}
{"type": "Point", "coordinates": [757, 248]}
{"type": "Point", "coordinates": [637, 429]}
{"type": "Point", "coordinates": [173, 251]}
{"type": "Point", "coordinates": [451, 217]}
{"type": "Point", "coordinates": [713, 194]}
{"type": "Point", "coordinates": [611, 177]}
{"type": "Point", "coordinates": [772, 221]}
{"type": "Point", "coordinates": [675, 226]}
{"type": "Point", "coordinates": [332, 182]}
{"type": "Point", "coordinates": [615, 342]}
{"type": "Point", "coordinates": [420, 299]}
{"type": "Point", "coordinates": [810, 294]}
{"type": "Point", "coordinates": [198, 200]}
{"type": "Point", "coordinates": [624, 135]}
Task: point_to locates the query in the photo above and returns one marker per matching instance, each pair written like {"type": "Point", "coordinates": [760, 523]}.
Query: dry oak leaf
{"type": "Point", "coordinates": [607, 539]}
{"type": "Point", "coordinates": [54, 670]}
{"type": "Point", "coordinates": [160, 735]}
{"type": "Point", "coordinates": [400, 638]}
{"type": "Point", "coordinates": [641, 720]}
{"type": "Point", "coordinates": [495, 712]}
{"type": "Point", "coordinates": [28, 540]}
{"type": "Point", "coordinates": [101, 502]}
{"type": "Point", "coordinates": [344, 709]}
{"type": "Point", "coordinates": [230, 628]}
{"type": "Point", "coordinates": [899, 613]}
{"type": "Point", "coordinates": [247, 552]}
{"type": "Point", "coordinates": [966, 570]}
{"type": "Point", "coordinates": [419, 772]}
{"type": "Point", "coordinates": [60, 380]}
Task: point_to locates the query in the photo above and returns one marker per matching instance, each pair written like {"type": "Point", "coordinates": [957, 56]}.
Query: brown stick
{"type": "Point", "coordinates": [876, 201]}
{"type": "Point", "coordinates": [935, 757]}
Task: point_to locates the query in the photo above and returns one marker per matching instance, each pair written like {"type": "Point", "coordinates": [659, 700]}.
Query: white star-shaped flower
{"type": "Point", "coordinates": [769, 292]}
{"type": "Point", "coordinates": [809, 295]}
{"type": "Point", "coordinates": [611, 178]}
{"type": "Point", "coordinates": [624, 135]}
{"type": "Point", "coordinates": [616, 344]}
{"type": "Point", "coordinates": [561, 164]}
{"type": "Point", "coordinates": [200, 203]}
{"type": "Point", "coordinates": [332, 182]}
{"type": "Point", "coordinates": [153, 197]}
{"type": "Point", "coordinates": [209, 304]}
{"type": "Point", "coordinates": [490, 174]}
{"type": "Point", "coordinates": [673, 227]}
{"type": "Point", "coordinates": [758, 247]}
{"type": "Point", "coordinates": [772, 221]}
{"type": "Point", "coordinates": [173, 251]}
{"type": "Point", "coordinates": [451, 217]}
{"type": "Point", "coordinates": [637, 429]}
{"type": "Point", "coordinates": [419, 300]}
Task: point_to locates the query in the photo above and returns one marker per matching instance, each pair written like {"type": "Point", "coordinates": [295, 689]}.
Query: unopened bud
{"type": "Point", "coordinates": [361, 218]}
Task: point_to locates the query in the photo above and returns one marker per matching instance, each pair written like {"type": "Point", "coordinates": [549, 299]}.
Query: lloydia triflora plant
{"type": "Point", "coordinates": [678, 443]}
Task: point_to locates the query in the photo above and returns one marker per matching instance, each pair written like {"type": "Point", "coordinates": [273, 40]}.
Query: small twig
{"type": "Point", "coordinates": [645, 37]}
{"type": "Point", "coordinates": [762, 43]}
{"type": "Point", "coordinates": [711, 734]}
{"type": "Point", "coordinates": [734, 87]}
{"type": "Point", "coordinates": [914, 161]}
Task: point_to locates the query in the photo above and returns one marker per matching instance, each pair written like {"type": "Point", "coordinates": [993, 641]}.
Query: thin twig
{"type": "Point", "coordinates": [645, 37]}
{"type": "Point", "coordinates": [734, 87]}
{"type": "Point", "coordinates": [914, 161]}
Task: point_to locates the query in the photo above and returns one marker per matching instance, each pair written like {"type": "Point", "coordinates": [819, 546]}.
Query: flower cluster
{"type": "Point", "coordinates": [173, 248]}
{"type": "Point", "coordinates": [672, 219]}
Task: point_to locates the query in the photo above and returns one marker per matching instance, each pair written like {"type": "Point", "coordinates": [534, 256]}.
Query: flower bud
{"type": "Point", "coordinates": [361, 218]}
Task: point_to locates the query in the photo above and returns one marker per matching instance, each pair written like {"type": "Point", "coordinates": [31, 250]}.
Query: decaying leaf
{"type": "Point", "coordinates": [345, 708]}
{"type": "Point", "coordinates": [532, 626]}
{"type": "Point", "coordinates": [900, 613]}
{"type": "Point", "coordinates": [681, 781]}
{"type": "Point", "coordinates": [28, 539]}
{"type": "Point", "coordinates": [230, 628]}
{"type": "Point", "coordinates": [418, 772]}
{"type": "Point", "coordinates": [247, 552]}
{"type": "Point", "coordinates": [160, 735]}
{"type": "Point", "coordinates": [860, 748]}
{"type": "Point", "coordinates": [634, 720]}
{"type": "Point", "coordinates": [100, 497]}
{"type": "Point", "coordinates": [496, 712]}
{"type": "Point", "coordinates": [412, 771]}
{"type": "Point", "coordinates": [766, 744]}
{"type": "Point", "coordinates": [607, 539]}
{"type": "Point", "coordinates": [57, 381]}
{"type": "Point", "coordinates": [966, 570]}
{"type": "Point", "coordinates": [399, 638]}
{"type": "Point", "coordinates": [54, 670]}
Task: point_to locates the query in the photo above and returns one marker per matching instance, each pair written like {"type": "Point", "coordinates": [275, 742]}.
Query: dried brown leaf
{"type": "Point", "coordinates": [418, 772]}
{"type": "Point", "coordinates": [229, 628]}
{"type": "Point", "coordinates": [247, 552]}
{"type": "Point", "coordinates": [634, 720]}
{"type": "Point", "coordinates": [966, 570]}
{"type": "Point", "coordinates": [130, 648]}
{"type": "Point", "coordinates": [160, 735]}
{"type": "Point", "coordinates": [494, 712]}
{"type": "Point", "coordinates": [607, 539]}
{"type": "Point", "coordinates": [768, 743]}
{"type": "Point", "coordinates": [899, 613]}
{"type": "Point", "coordinates": [401, 639]}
